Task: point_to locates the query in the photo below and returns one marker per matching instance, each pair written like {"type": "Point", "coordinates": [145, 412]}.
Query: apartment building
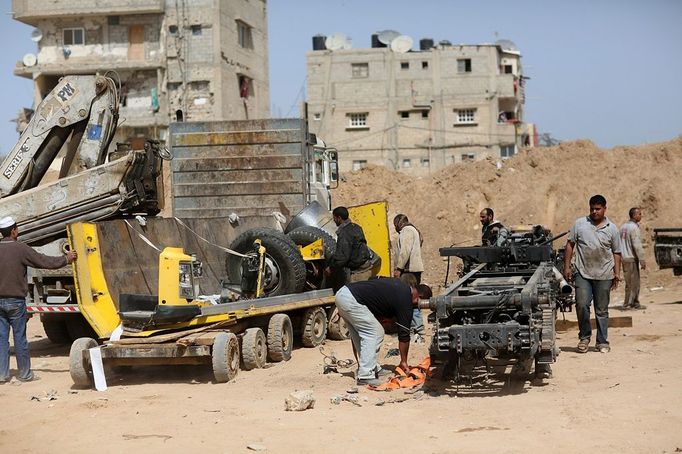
{"type": "Point", "coordinates": [177, 60]}
{"type": "Point", "coordinates": [417, 110]}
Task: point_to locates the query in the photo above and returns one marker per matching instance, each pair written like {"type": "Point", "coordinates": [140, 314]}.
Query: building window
{"type": "Point", "coordinates": [359, 164]}
{"type": "Point", "coordinates": [425, 114]}
{"type": "Point", "coordinates": [508, 69]}
{"type": "Point", "coordinates": [173, 30]}
{"type": "Point", "coordinates": [317, 116]}
{"type": "Point", "coordinates": [425, 65]}
{"type": "Point", "coordinates": [466, 116]}
{"type": "Point", "coordinates": [357, 120]}
{"type": "Point", "coordinates": [407, 163]}
{"type": "Point", "coordinates": [245, 86]}
{"type": "Point", "coordinates": [359, 70]}
{"type": "Point", "coordinates": [404, 114]}
{"type": "Point", "coordinates": [196, 30]}
{"type": "Point", "coordinates": [468, 157]}
{"type": "Point", "coordinates": [507, 151]}
{"type": "Point", "coordinates": [244, 35]}
{"type": "Point", "coordinates": [463, 65]}
{"type": "Point", "coordinates": [404, 65]}
{"type": "Point", "coordinates": [74, 36]}
{"type": "Point", "coordinates": [113, 20]}
{"type": "Point", "coordinates": [425, 162]}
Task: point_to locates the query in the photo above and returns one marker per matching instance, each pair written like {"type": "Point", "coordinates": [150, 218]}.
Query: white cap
{"type": "Point", "coordinates": [7, 221]}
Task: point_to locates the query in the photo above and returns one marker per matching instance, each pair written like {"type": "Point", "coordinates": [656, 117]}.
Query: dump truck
{"type": "Point", "coordinates": [668, 249]}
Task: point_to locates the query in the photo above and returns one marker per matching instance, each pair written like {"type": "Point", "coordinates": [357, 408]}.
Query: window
{"type": "Point", "coordinates": [74, 36]}
{"type": "Point", "coordinates": [407, 163]}
{"type": "Point", "coordinates": [404, 65]}
{"type": "Point", "coordinates": [425, 162]}
{"type": "Point", "coordinates": [466, 116]}
{"type": "Point", "coordinates": [245, 86]}
{"type": "Point", "coordinates": [359, 70]}
{"type": "Point", "coordinates": [468, 157]}
{"type": "Point", "coordinates": [357, 120]}
{"type": "Point", "coordinates": [507, 69]}
{"type": "Point", "coordinates": [463, 65]}
{"type": "Point", "coordinates": [113, 20]}
{"type": "Point", "coordinates": [507, 151]}
{"type": "Point", "coordinates": [317, 116]}
{"type": "Point", "coordinates": [196, 30]}
{"type": "Point", "coordinates": [173, 30]}
{"type": "Point", "coordinates": [425, 114]}
{"type": "Point", "coordinates": [425, 65]}
{"type": "Point", "coordinates": [404, 114]}
{"type": "Point", "coordinates": [244, 35]}
{"type": "Point", "coordinates": [359, 164]}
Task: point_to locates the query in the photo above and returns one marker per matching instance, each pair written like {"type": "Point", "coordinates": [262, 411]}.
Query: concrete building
{"type": "Point", "coordinates": [177, 60]}
{"type": "Point", "coordinates": [417, 111]}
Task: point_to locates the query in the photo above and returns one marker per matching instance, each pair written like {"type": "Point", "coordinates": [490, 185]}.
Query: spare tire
{"type": "Point", "coordinates": [285, 268]}
{"type": "Point", "coordinates": [305, 235]}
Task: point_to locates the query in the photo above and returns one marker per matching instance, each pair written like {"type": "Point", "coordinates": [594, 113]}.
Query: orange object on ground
{"type": "Point", "coordinates": [415, 377]}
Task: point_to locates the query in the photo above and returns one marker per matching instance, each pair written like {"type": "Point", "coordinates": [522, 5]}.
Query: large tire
{"type": "Point", "coordinates": [225, 357]}
{"type": "Point", "coordinates": [79, 364]}
{"type": "Point", "coordinates": [55, 328]}
{"type": "Point", "coordinates": [313, 327]}
{"type": "Point", "coordinates": [303, 236]}
{"type": "Point", "coordinates": [288, 272]}
{"type": "Point", "coordinates": [280, 338]}
{"type": "Point", "coordinates": [338, 329]}
{"type": "Point", "coordinates": [78, 327]}
{"type": "Point", "coordinates": [254, 349]}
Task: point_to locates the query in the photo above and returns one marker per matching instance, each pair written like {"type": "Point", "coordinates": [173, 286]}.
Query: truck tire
{"type": "Point", "coordinates": [225, 357]}
{"type": "Point", "coordinates": [313, 327]}
{"type": "Point", "coordinates": [79, 364]}
{"type": "Point", "coordinates": [305, 235]}
{"type": "Point", "coordinates": [338, 329]}
{"type": "Point", "coordinates": [78, 327]}
{"type": "Point", "coordinates": [286, 269]}
{"type": "Point", "coordinates": [254, 349]}
{"type": "Point", "coordinates": [55, 328]}
{"type": "Point", "coordinates": [280, 338]}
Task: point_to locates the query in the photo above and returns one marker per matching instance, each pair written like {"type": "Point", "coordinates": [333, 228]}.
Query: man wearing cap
{"type": "Point", "coordinates": [16, 256]}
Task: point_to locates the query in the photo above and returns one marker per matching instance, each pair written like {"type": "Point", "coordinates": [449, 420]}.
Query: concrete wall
{"type": "Point", "coordinates": [428, 89]}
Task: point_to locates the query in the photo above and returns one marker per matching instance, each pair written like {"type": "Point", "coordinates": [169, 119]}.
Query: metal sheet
{"type": "Point", "coordinates": [199, 164]}
{"type": "Point", "coordinates": [266, 302]}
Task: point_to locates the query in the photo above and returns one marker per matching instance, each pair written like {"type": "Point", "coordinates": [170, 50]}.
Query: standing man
{"type": "Point", "coordinates": [351, 251]}
{"type": "Point", "coordinates": [595, 242]}
{"type": "Point", "coordinates": [633, 258]}
{"type": "Point", "coordinates": [362, 304]}
{"type": "Point", "coordinates": [409, 260]}
{"type": "Point", "coordinates": [493, 232]}
{"type": "Point", "coordinates": [16, 256]}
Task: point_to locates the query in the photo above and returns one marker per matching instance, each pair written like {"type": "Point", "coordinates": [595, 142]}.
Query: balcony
{"type": "Point", "coordinates": [506, 86]}
{"type": "Point", "coordinates": [30, 11]}
{"type": "Point", "coordinates": [85, 65]}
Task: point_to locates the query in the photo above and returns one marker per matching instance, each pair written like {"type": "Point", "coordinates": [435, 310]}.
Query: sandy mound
{"type": "Point", "coordinates": [549, 186]}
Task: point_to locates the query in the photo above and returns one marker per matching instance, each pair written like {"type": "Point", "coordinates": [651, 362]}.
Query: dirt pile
{"type": "Point", "coordinates": [548, 186]}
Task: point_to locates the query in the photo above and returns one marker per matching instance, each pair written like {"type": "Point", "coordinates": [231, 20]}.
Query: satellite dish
{"type": "Point", "coordinates": [337, 41]}
{"type": "Point", "coordinates": [401, 44]}
{"type": "Point", "coordinates": [29, 60]}
{"type": "Point", "coordinates": [507, 46]}
{"type": "Point", "coordinates": [386, 36]}
{"type": "Point", "coordinates": [36, 35]}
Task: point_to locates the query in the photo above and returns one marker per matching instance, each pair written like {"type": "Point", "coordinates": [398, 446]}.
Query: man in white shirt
{"type": "Point", "coordinates": [633, 258]}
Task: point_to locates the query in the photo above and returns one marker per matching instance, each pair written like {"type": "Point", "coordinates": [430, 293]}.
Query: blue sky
{"type": "Point", "coordinates": [608, 71]}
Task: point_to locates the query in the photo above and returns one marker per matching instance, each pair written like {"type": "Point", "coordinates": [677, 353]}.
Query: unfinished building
{"type": "Point", "coordinates": [416, 111]}
{"type": "Point", "coordinates": [177, 60]}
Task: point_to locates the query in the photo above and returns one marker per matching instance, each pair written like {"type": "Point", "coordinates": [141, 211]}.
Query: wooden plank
{"type": "Point", "coordinates": [614, 322]}
{"type": "Point", "coordinates": [161, 338]}
{"type": "Point", "coordinates": [153, 351]}
{"type": "Point", "coordinates": [237, 163]}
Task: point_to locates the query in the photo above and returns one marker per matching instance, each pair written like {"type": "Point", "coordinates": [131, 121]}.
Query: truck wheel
{"type": "Point", "coordinates": [285, 268]}
{"type": "Point", "coordinates": [305, 235]}
{"type": "Point", "coordinates": [280, 338]}
{"type": "Point", "coordinates": [313, 327]}
{"type": "Point", "coordinates": [254, 349]}
{"type": "Point", "coordinates": [78, 327]}
{"type": "Point", "coordinates": [338, 329]}
{"type": "Point", "coordinates": [225, 357]}
{"type": "Point", "coordinates": [55, 328]}
{"type": "Point", "coordinates": [79, 363]}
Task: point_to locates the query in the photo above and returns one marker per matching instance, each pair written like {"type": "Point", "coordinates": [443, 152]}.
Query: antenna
{"type": "Point", "coordinates": [337, 41]}
{"type": "Point", "coordinates": [401, 44]}
{"type": "Point", "coordinates": [386, 36]}
{"type": "Point", "coordinates": [36, 35]}
{"type": "Point", "coordinates": [29, 60]}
